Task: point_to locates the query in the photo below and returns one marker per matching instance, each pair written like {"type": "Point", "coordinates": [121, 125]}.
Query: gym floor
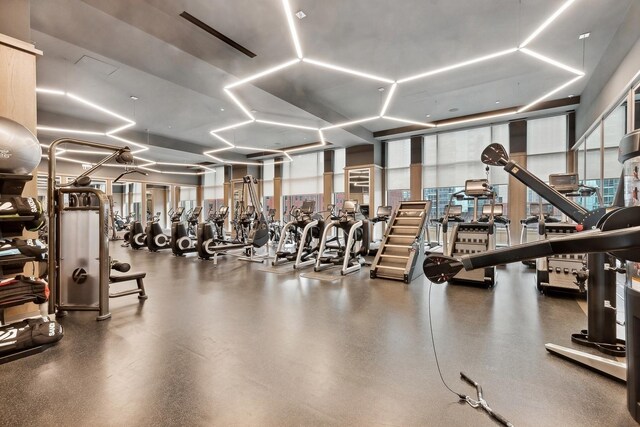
{"type": "Point", "coordinates": [247, 344]}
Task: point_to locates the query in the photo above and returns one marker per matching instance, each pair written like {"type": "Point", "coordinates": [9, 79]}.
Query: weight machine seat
{"type": "Point", "coordinates": [138, 277]}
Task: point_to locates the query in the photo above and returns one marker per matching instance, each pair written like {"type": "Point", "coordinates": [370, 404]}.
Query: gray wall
{"type": "Point", "coordinates": [618, 65]}
{"type": "Point", "coordinates": [14, 19]}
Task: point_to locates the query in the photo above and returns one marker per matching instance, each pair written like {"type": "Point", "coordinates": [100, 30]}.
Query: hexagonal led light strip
{"type": "Point", "coordinates": [111, 134]}
{"type": "Point", "coordinates": [577, 74]}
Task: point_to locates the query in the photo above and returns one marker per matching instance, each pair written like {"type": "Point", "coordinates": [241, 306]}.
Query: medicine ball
{"type": "Point", "coordinates": [20, 150]}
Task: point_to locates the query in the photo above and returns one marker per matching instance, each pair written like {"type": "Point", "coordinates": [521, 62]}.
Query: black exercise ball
{"type": "Point", "coordinates": [20, 150]}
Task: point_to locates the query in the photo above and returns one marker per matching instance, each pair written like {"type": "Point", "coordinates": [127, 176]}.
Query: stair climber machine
{"type": "Point", "coordinates": [155, 237]}
{"type": "Point", "coordinates": [402, 246]}
{"type": "Point", "coordinates": [355, 231]}
{"type": "Point", "coordinates": [293, 239]}
{"type": "Point", "coordinates": [182, 242]}
{"type": "Point", "coordinates": [473, 236]}
{"type": "Point", "coordinates": [257, 235]}
{"type": "Point", "coordinates": [79, 264]}
{"type": "Point", "coordinates": [606, 235]}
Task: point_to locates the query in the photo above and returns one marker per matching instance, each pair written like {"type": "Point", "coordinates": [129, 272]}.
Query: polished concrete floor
{"type": "Point", "coordinates": [246, 344]}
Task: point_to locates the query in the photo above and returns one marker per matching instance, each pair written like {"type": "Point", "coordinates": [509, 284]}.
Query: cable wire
{"type": "Point", "coordinates": [435, 353]}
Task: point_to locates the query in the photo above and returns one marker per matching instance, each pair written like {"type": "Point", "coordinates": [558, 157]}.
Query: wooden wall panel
{"type": "Point", "coordinates": [517, 199]}
{"type": "Point", "coordinates": [415, 173]}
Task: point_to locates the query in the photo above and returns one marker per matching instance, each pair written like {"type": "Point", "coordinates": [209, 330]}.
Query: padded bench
{"type": "Point", "coordinates": [142, 294]}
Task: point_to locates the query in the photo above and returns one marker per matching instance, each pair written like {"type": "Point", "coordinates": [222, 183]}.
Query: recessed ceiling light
{"type": "Point", "coordinates": [584, 36]}
{"type": "Point", "coordinates": [453, 110]}
{"type": "Point", "coordinates": [254, 111]}
{"type": "Point", "coordinates": [570, 96]}
{"type": "Point", "coordinates": [380, 89]}
{"type": "Point", "coordinates": [135, 98]}
{"type": "Point", "coordinates": [222, 109]}
{"type": "Point", "coordinates": [170, 126]}
{"type": "Point", "coordinates": [300, 14]}
{"type": "Point", "coordinates": [428, 115]}
{"type": "Point", "coordinates": [497, 102]}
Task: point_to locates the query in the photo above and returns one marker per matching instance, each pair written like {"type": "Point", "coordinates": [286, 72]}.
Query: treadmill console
{"type": "Point", "coordinates": [564, 182]}
{"type": "Point", "coordinates": [308, 207]}
{"type": "Point", "coordinates": [364, 210]}
{"type": "Point", "coordinates": [497, 210]}
{"type": "Point", "coordinates": [453, 210]}
{"type": "Point", "coordinates": [476, 187]}
{"type": "Point", "coordinates": [196, 211]}
{"type": "Point", "coordinates": [349, 207]}
{"type": "Point", "coordinates": [384, 211]}
{"type": "Point", "coordinates": [534, 209]}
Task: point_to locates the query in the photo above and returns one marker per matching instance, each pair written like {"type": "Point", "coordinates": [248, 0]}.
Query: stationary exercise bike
{"type": "Point", "coordinates": [155, 237]}
{"type": "Point", "coordinates": [183, 242]}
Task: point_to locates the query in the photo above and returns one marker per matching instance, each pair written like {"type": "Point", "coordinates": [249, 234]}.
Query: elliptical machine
{"type": "Point", "coordinates": [293, 231]}
{"type": "Point", "coordinates": [181, 241]}
{"type": "Point", "coordinates": [217, 220]}
{"type": "Point", "coordinates": [356, 230]}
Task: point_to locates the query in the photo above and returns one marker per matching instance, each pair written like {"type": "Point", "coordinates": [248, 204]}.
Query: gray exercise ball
{"type": "Point", "coordinates": [20, 150]}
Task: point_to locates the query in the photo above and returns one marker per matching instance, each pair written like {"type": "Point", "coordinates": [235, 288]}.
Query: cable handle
{"type": "Point", "coordinates": [468, 380]}
{"type": "Point", "coordinates": [499, 418]}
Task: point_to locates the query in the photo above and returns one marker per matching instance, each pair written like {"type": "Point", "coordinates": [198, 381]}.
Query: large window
{"type": "Point", "coordinates": [302, 180]}
{"type": "Point", "coordinates": [398, 181]}
{"type": "Point", "coordinates": [213, 190]}
{"type": "Point", "coordinates": [546, 151]}
{"type": "Point", "coordinates": [449, 159]}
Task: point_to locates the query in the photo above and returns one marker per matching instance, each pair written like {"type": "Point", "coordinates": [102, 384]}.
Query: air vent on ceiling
{"type": "Point", "coordinates": [96, 65]}
{"type": "Point", "coordinates": [195, 21]}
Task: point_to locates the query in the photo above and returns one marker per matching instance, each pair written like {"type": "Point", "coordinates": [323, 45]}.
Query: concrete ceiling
{"type": "Point", "coordinates": [179, 71]}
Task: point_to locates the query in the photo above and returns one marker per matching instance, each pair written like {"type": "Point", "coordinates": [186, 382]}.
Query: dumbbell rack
{"type": "Point", "coordinates": [13, 185]}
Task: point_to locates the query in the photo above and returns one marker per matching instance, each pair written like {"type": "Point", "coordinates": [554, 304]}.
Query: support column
{"type": "Point", "coordinates": [517, 190]}
{"type": "Point", "coordinates": [415, 169]}
{"type": "Point", "coordinates": [226, 194]}
{"type": "Point", "coordinates": [277, 187]}
{"type": "Point", "coordinates": [571, 139]}
{"type": "Point", "coordinates": [143, 204]}
{"type": "Point", "coordinates": [327, 178]}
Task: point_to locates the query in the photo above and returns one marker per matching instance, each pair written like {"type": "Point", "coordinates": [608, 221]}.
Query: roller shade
{"type": "Point", "coordinates": [303, 175]}
{"type": "Point", "coordinates": [398, 161]}
{"type": "Point", "coordinates": [547, 135]}
{"type": "Point", "coordinates": [458, 156]}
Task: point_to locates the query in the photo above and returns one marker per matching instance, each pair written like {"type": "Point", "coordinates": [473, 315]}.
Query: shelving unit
{"type": "Point", "coordinates": [13, 185]}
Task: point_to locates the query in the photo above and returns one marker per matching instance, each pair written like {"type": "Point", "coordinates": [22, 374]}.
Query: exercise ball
{"type": "Point", "coordinates": [20, 150]}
